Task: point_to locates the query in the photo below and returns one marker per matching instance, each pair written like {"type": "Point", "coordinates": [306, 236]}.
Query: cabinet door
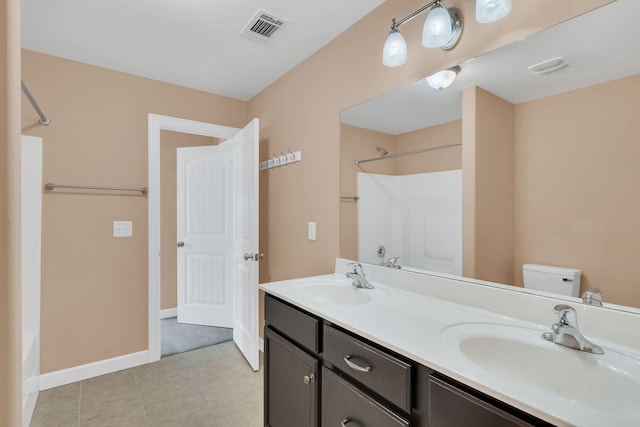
{"type": "Point", "coordinates": [290, 384]}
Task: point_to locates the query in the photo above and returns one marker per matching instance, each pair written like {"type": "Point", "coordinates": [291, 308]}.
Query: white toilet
{"type": "Point", "coordinates": [557, 280]}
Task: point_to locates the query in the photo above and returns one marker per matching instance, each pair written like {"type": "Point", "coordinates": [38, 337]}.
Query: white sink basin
{"type": "Point", "coordinates": [602, 383]}
{"type": "Point", "coordinates": [333, 290]}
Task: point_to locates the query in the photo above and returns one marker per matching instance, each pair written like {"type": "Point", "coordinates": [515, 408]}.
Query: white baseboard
{"type": "Point", "coordinates": [261, 344]}
{"type": "Point", "coordinates": [169, 312]}
{"type": "Point", "coordinates": [94, 369]}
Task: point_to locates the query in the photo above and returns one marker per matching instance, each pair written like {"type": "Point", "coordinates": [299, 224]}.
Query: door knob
{"type": "Point", "coordinates": [308, 379]}
{"type": "Point", "coordinates": [248, 256]}
{"type": "Point", "coordinates": [180, 244]}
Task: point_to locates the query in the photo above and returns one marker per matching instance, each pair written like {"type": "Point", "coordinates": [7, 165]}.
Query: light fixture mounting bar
{"type": "Point", "coordinates": [396, 23]}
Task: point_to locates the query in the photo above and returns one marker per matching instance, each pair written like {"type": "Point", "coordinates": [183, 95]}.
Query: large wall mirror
{"type": "Point", "coordinates": [556, 183]}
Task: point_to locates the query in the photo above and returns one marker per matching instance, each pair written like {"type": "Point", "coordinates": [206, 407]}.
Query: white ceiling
{"type": "Point", "coordinates": [192, 43]}
{"type": "Point", "coordinates": [599, 46]}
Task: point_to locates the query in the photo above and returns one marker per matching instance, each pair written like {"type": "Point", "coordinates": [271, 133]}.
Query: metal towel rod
{"type": "Point", "coordinates": [50, 186]}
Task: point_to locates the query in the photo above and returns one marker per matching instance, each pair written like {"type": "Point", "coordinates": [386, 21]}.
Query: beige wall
{"type": "Point", "coordinates": [94, 289]}
{"type": "Point", "coordinates": [10, 328]}
{"type": "Point", "coordinates": [487, 186]}
{"type": "Point", "coordinates": [169, 142]}
{"type": "Point", "coordinates": [576, 194]}
{"type": "Point", "coordinates": [430, 161]}
{"type": "Point", "coordinates": [300, 111]}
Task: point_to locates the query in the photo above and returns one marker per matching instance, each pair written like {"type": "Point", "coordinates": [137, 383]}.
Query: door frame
{"type": "Point", "coordinates": [157, 123]}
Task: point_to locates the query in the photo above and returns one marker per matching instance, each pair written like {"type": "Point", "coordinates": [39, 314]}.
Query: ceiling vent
{"type": "Point", "coordinates": [263, 25]}
{"type": "Point", "coordinates": [549, 66]}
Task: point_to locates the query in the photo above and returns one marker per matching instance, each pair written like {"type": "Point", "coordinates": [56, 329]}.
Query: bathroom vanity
{"type": "Point", "coordinates": [434, 351]}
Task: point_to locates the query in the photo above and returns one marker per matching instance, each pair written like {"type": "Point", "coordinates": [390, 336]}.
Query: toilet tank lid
{"type": "Point", "coordinates": [552, 270]}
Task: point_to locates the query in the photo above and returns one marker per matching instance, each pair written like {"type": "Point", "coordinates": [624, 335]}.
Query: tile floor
{"type": "Point", "coordinates": [209, 387]}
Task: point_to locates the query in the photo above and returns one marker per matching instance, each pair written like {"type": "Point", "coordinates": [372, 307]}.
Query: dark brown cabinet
{"type": "Point", "coordinates": [291, 384]}
{"type": "Point", "coordinates": [450, 406]}
{"type": "Point", "coordinates": [291, 375]}
{"type": "Point", "coordinates": [344, 404]}
{"type": "Point", "coordinates": [376, 369]}
{"type": "Point", "coordinates": [320, 375]}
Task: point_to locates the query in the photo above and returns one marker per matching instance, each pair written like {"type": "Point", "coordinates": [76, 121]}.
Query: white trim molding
{"type": "Point", "coordinates": [90, 370]}
{"type": "Point", "coordinates": [261, 344]}
{"type": "Point", "coordinates": [156, 123]}
{"type": "Point", "coordinates": [168, 313]}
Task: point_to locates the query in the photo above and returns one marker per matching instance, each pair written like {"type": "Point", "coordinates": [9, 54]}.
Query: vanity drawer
{"type": "Point", "coordinates": [301, 327]}
{"type": "Point", "coordinates": [450, 406]}
{"type": "Point", "coordinates": [383, 373]}
{"type": "Point", "coordinates": [345, 405]}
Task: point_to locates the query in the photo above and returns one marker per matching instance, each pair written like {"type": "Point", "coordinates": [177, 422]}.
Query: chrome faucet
{"type": "Point", "coordinates": [358, 277]}
{"type": "Point", "coordinates": [393, 262]}
{"type": "Point", "coordinates": [565, 332]}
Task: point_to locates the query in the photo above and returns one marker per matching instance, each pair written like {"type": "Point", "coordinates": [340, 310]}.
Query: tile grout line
{"type": "Point", "coordinates": [79, 403]}
{"type": "Point", "coordinates": [144, 409]}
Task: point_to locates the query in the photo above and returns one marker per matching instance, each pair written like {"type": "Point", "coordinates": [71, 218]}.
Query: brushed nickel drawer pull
{"type": "Point", "coordinates": [354, 366]}
{"type": "Point", "coordinates": [345, 422]}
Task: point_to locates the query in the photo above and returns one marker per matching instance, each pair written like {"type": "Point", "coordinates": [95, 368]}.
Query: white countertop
{"type": "Point", "coordinates": [403, 314]}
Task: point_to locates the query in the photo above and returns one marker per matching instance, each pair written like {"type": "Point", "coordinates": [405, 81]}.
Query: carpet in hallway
{"type": "Point", "coordinates": [180, 337]}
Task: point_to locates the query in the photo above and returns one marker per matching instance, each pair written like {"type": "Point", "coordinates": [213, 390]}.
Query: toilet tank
{"type": "Point", "coordinates": [557, 280]}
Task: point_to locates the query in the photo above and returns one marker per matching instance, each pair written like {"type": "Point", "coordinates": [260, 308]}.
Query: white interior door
{"type": "Point", "coordinates": [205, 215]}
{"type": "Point", "coordinates": [245, 323]}
{"type": "Point", "coordinates": [218, 237]}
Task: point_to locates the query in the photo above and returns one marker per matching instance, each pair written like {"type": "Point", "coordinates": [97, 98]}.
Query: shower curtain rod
{"type": "Point", "coordinates": [406, 153]}
{"type": "Point", "coordinates": [43, 119]}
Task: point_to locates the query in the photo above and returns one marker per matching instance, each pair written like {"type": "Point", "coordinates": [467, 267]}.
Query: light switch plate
{"type": "Point", "coordinates": [122, 228]}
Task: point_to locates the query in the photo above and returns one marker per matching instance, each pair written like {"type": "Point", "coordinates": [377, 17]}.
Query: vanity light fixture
{"type": "Point", "coordinates": [394, 53]}
{"type": "Point", "coordinates": [442, 28]}
{"type": "Point", "coordinates": [488, 11]}
{"type": "Point", "coordinates": [443, 79]}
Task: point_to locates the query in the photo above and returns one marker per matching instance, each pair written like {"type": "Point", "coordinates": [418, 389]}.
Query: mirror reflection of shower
{"type": "Point", "coordinates": [416, 219]}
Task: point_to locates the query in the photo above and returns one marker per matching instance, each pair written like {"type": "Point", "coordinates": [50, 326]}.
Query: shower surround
{"type": "Point", "coordinates": [415, 217]}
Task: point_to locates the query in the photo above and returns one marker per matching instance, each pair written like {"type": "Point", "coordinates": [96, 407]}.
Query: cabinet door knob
{"type": "Point", "coordinates": [248, 256]}
{"type": "Point", "coordinates": [308, 379]}
{"type": "Point", "coordinates": [180, 244]}
{"type": "Point", "coordinates": [344, 422]}
{"type": "Point", "coordinates": [354, 366]}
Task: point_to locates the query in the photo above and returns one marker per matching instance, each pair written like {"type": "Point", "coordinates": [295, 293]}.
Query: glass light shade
{"type": "Point", "coordinates": [438, 28]}
{"type": "Point", "coordinates": [492, 10]}
{"type": "Point", "coordinates": [394, 52]}
{"type": "Point", "coordinates": [442, 79]}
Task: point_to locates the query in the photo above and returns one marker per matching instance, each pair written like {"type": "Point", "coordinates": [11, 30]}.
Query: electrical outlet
{"type": "Point", "coordinates": [122, 228]}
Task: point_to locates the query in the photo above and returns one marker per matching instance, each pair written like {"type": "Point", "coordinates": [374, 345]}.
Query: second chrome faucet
{"type": "Point", "coordinates": [565, 332]}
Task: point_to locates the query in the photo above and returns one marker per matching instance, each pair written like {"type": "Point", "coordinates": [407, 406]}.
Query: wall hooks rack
{"type": "Point", "coordinates": [281, 160]}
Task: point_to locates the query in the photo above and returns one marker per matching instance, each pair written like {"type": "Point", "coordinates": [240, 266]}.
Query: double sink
{"type": "Point", "coordinates": [508, 356]}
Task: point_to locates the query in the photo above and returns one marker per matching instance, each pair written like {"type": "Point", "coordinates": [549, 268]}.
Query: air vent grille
{"type": "Point", "coordinates": [549, 66]}
{"type": "Point", "coordinates": [263, 25]}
